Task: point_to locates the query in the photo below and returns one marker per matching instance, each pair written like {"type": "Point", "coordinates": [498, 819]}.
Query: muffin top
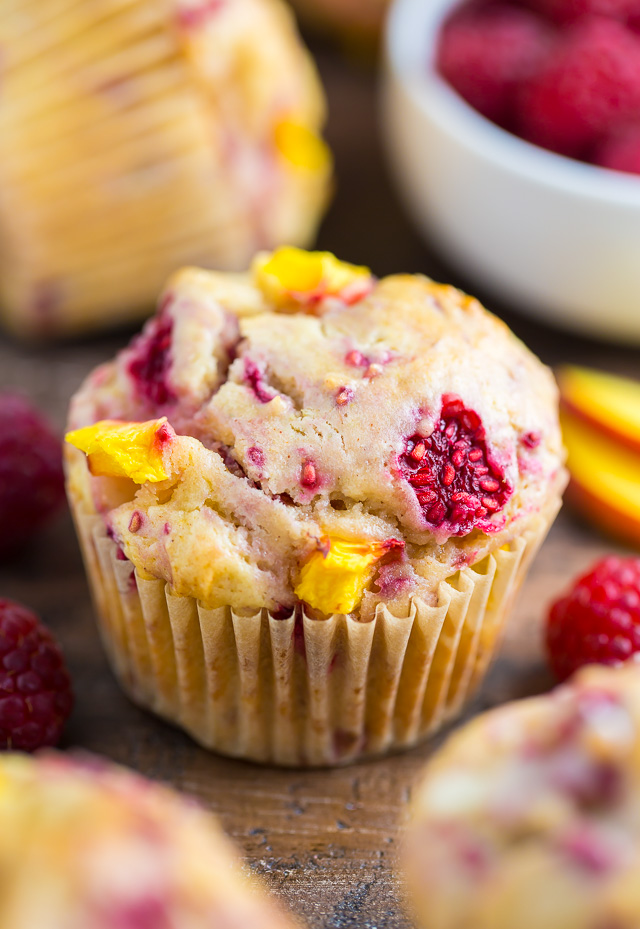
{"type": "Point", "coordinates": [87, 845]}
{"type": "Point", "coordinates": [319, 421]}
{"type": "Point", "coordinates": [529, 816]}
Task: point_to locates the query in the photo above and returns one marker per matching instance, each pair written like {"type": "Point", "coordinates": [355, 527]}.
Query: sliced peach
{"type": "Point", "coordinates": [334, 578]}
{"type": "Point", "coordinates": [122, 449]}
{"type": "Point", "coordinates": [605, 479]}
{"type": "Point", "coordinates": [608, 403]}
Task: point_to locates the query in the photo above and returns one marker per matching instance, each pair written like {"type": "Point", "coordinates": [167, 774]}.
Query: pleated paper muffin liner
{"type": "Point", "coordinates": [301, 691]}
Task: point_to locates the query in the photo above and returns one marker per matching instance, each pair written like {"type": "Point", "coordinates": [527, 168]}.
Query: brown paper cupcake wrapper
{"type": "Point", "coordinates": [302, 691]}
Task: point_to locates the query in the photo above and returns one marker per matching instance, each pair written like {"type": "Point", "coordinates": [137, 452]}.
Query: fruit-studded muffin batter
{"type": "Point", "coordinates": [311, 433]}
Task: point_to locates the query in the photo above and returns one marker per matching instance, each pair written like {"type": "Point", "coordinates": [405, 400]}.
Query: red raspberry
{"type": "Point", "coordinates": [255, 378]}
{"type": "Point", "coordinates": [565, 11]}
{"type": "Point", "coordinates": [587, 87]}
{"type": "Point", "coordinates": [35, 689]}
{"type": "Point", "coordinates": [486, 53]}
{"type": "Point", "coordinates": [150, 361]}
{"type": "Point", "coordinates": [621, 152]}
{"type": "Point", "coordinates": [599, 620]}
{"type": "Point", "coordinates": [31, 477]}
{"type": "Point", "coordinates": [456, 481]}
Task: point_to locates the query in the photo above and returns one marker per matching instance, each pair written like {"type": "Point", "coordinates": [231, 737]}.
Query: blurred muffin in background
{"type": "Point", "coordinates": [528, 817]}
{"type": "Point", "coordinates": [87, 844]}
{"type": "Point", "coordinates": [138, 135]}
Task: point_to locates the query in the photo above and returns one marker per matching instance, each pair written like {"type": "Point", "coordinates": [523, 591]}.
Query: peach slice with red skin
{"type": "Point", "coordinates": [604, 401]}
{"type": "Point", "coordinates": [605, 478]}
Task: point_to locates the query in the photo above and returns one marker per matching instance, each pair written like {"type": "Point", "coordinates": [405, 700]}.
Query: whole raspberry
{"type": "Point", "coordinates": [31, 478]}
{"type": "Point", "coordinates": [486, 53]}
{"type": "Point", "coordinates": [566, 11]}
{"type": "Point", "coordinates": [457, 483]}
{"type": "Point", "coordinates": [35, 689]}
{"type": "Point", "coordinates": [588, 87]}
{"type": "Point", "coordinates": [599, 620]}
{"type": "Point", "coordinates": [621, 152]}
{"type": "Point", "coordinates": [150, 361]}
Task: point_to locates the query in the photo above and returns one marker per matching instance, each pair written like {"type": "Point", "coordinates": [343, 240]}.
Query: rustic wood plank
{"type": "Point", "coordinates": [324, 840]}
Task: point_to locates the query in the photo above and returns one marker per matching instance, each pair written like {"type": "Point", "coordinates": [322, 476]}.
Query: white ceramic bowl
{"type": "Point", "coordinates": [551, 236]}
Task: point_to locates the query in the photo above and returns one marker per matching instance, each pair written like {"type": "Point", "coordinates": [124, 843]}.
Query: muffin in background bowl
{"type": "Point", "coordinates": [138, 136]}
{"type": "Point", "coordinates": [86, 843]}
{"type": "Point", "coordinates": [306, 500]}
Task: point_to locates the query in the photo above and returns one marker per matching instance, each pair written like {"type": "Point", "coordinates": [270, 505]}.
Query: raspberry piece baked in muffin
{"type": "Point", "coordinates": [322, 451]}
{"type": "Point", "coordinates": [85, 843]}
{"type": "Point", "coordinates": [528, 815]}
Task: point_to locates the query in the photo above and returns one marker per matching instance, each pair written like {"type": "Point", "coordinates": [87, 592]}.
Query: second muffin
{"type": "Point", "coordinates": [139, 135]}
{"type": "Point", "coordinates": [311, 558]}
{"type": "Point", "coordinates": [86, 844]}
{"type": "Point", "coordinates": [528, 815]}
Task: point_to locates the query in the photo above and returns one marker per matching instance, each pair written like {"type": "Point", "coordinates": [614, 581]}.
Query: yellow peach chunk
{"type": "Point", "coordinates": [292, 270]}
{"type": "Point", "coordinates": [292, 275]}
{"type": "Point", "coordinates": [302, 147]}
{"type": "Point", "coordinates": [334, 580]}
{"type": "Point", "coordinates": [121, 449]}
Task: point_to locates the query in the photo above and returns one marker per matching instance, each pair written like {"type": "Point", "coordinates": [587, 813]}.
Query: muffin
{"type": "Point", "coordinates": [306, 500]}
{"type": "Point", "coordinates": [529, 816]}
{"type": "Point", "coordinates": [139, 135]}
{"type": "Point", "coordinates": [87, 844]}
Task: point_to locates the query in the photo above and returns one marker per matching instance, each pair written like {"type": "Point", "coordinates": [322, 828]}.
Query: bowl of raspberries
{"type": "Point", "coordinates": [513, 129]}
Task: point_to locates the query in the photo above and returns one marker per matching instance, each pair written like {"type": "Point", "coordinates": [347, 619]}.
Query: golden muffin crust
{"type": "Point", "coordinates": [394, 413]}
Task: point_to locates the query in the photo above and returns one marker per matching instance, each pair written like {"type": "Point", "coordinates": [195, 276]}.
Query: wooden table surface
{"type": "Point", "coordinates": [325, 840]}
